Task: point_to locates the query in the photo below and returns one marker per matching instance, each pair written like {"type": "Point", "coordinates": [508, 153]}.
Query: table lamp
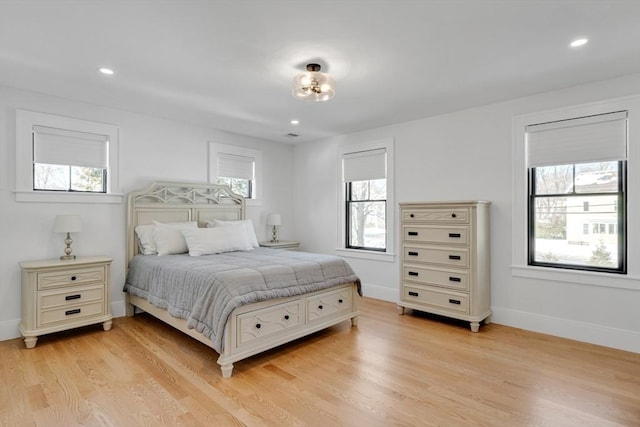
{"type": "Point", "coordinates": [67, 224]}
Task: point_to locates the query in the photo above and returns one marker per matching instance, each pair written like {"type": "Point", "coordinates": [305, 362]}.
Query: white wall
{"type": "Point", "coordinates": [150, 149]}
{"type": "Point", "coordinates": [467, 155]}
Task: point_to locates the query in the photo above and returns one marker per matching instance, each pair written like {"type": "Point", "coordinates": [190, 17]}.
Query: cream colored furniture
{"type": "Point", "coordinates": [445, 260]}
{"type": "Point", "coordinates": [252, 328]}
{"type": "Point", "coordinates": [64, 294]}
{"type": "Point", "coordinates": [289, 245]}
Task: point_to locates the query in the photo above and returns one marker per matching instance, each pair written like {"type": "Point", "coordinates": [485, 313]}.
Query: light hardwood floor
{"type": "Point", "coordinates": [391, 370]}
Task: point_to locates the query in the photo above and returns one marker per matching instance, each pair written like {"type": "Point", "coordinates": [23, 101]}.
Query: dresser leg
{"type": "Point", "coordinates": [475, 326]}
{"type": "Point", "coordinates": [400, 309]}
{"type": "Point", "coordinates": [354, 321]}
{"type": "Point", "coordinates": [227, 370]}
{"type": "Point", "coordinates": [30, 342]}
{"type": "Point", "coordinates": [107, 325]}
{"type": "Point", "coordinates": [487, 320]}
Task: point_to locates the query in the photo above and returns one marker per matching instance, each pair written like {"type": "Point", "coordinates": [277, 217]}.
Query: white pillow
{"type": "Point", "coordinates": [168, 237]}
{"type": "Point", "coordinates": [146, 244]}
{"type": "Point", "coordinates": [205, 241]}
{"type": "Point", "coordinates": [247, 227]}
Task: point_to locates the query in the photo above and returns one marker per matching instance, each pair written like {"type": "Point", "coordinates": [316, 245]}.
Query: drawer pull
{"type": "Point", "coordinates": [413, 254]}
{"type": "Point", "coordinates": [70, 312]}
{"type": "Point", "coordinates": [73, 278]}
{"type": "Point", "coordinates": [454, 279]}
{"type": "Point", "coordinates": [413, 294]}
{"type": "Point", "coordinates": [286, 317]}
{"type": "Point", "coordinates": [454, 235]}
{"type": "Point", "coordinates": [413, 273]}
{"type": "Point", "coordinates": [453, 215]}
{"type": "Point", "coordinates": [320, 307]}
{"type": "Point", "coordinates": [340, 301]}
{"type": "Point", "coordinates": [258, 326]}
{"type": "Point", "coordinates": [411, 215]}
{"type": "Point", "coordinates": [454, 256]}
{"type": "Point", "coordinates": [413, 233]}
{"type": "Point", "coordinates": [71, 297]}
{"type": "Point", "coordinates": [454, 301]}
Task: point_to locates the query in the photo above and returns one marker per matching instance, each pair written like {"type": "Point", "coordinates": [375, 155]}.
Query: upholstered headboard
{"type": "Point", "coordinates": [180, 201]}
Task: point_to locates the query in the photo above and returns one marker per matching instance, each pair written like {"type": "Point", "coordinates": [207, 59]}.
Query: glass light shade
{"type": "Point", "coordinates": [67, 224]}
{"type": "Point", "coordinates": [313, 86]}
{"type": "Point", "coordinates": [274, 219]}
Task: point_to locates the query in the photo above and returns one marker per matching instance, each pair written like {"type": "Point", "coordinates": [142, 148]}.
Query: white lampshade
{"type": "Point", "coordinates": [67, 224]}
{"type": "Point", "coordinates": [274, 219]}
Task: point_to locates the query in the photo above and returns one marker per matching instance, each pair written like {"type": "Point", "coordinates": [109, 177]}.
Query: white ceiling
{"type": "Point", "coordinates": [229, 64]}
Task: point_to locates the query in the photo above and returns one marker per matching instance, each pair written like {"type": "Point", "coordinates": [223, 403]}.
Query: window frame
{"type": "Point", "coordinates": [342, 250]}
{"type": "Point", "coordinates": [621, 213]}
{"type": "Point", "coordinates": [519, 212]}
{"type": "Point", "coordinates": [25, 192]}
{"type": "Point", "coordinates": [348, 203]}
{"type": "Point", "coordinates": [216, 148]}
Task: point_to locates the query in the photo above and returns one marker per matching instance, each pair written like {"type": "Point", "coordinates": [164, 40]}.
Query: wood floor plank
{"type": "Point", "coordinates": [405, 370]}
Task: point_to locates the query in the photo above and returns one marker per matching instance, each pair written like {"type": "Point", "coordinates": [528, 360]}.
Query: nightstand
{"type": "Point", "coordinates": [289, 245]}
{"type": "Point", "coordinates": [63, 294]}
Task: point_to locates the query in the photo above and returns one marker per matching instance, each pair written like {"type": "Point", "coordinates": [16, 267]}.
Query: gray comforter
{"type": "Point", "coordinates": [205, 290]}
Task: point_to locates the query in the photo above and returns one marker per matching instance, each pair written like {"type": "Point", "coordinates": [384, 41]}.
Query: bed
{"type": "Point", "coordinates": [212, 307]}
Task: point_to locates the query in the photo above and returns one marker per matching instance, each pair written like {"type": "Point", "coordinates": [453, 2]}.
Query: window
{"type": "Point", "coordinates": [364, 176]}
{"type": "Point", "coordinates": [238, 167]}
{"type": "Point", "coordinates": [69, 161]}
{"type": "Point", "coordinates": [60, 159]}
{"type": "Point", "coordinates": [569, 199]}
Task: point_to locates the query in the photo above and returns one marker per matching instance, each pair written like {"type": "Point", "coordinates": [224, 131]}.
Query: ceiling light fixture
{"type": "Point", "coordinates": [312, 85]}
{"type": "Point", "coordinates": [295, 122]}
{"type": "Point", "coordinates": [107, 71]}
{"type": "Point", "coordinates": [579, 42]}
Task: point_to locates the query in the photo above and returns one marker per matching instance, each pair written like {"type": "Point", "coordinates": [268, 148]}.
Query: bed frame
{"type": "Point", "coordinates": [251, 328]}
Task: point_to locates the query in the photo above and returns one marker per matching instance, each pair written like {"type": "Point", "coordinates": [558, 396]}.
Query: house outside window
{"type": "Point", "coordinates": [573, 204]}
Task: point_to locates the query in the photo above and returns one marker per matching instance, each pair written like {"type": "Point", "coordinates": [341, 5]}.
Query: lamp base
{"type": "Point", "coordinates": [67, 257]}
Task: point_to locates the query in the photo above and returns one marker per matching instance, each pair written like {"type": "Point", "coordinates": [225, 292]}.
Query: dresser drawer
{"type": "Point", "coordinates": [453, 215]}
{"type": "Point", "coordinates": [328, 303]}
{"type": "Point", "coordinates": [436, 234]}
{"type": "Point", "coordinates": [454, 257]}
{"type": "Point", "coordinates": [454, 279]}
{"type": "Point", "coordinates": [70, 297]}
{"type": "Point", "coordinates": [437, 298]}
{"type": "Point", "coordinates": [70, 314]}
{"type": "Point", "coordinates": [53, 279]}
{"type": "Point", "coordinates": [267, 321]}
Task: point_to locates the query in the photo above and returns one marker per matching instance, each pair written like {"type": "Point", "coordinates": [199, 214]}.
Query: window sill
{"type": "Point", "coordinates": [591, 278]}
{"type": "Point", "coordinates": [58, 197]}
{"type": "Point", "coordinates": [371, 255]}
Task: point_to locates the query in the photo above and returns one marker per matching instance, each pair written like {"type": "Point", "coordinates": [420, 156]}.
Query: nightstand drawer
{"type": "Point", "coordinates": [53, 279]}
{"type": "Point", "coordinates": [70, 297]}
{"type": "Point", "coordinates": [70, 313]}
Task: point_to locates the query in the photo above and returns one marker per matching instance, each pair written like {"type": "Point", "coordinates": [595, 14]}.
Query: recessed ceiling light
{"type": "Point", "coordinates": [107, 71]}
{"type": "Point", "coordinates": [579, 42]}
{"type": "Point", "coordinates": [295, 122]}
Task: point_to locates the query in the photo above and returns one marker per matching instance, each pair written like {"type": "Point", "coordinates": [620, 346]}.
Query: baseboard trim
{"type": "Point", "coordinates": [380, 292]}
{"type": "Point", "coordinates": [622, 339]}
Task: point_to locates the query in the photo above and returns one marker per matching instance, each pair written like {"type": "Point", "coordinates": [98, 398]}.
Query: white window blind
{"type": "Point", "coordinates": [364, 165]}
{"type": "Point", "coordinates": [65, 147]}
{"type": "Point", "coordinates": [598, 138]}
{"type": "Point", "coordinates": [235, 166]}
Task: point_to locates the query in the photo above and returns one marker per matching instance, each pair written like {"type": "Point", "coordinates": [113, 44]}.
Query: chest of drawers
{"type": "Point", "coordinates": [445, 260]}
{"type": "Point", "coordinates": [64, 294]}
